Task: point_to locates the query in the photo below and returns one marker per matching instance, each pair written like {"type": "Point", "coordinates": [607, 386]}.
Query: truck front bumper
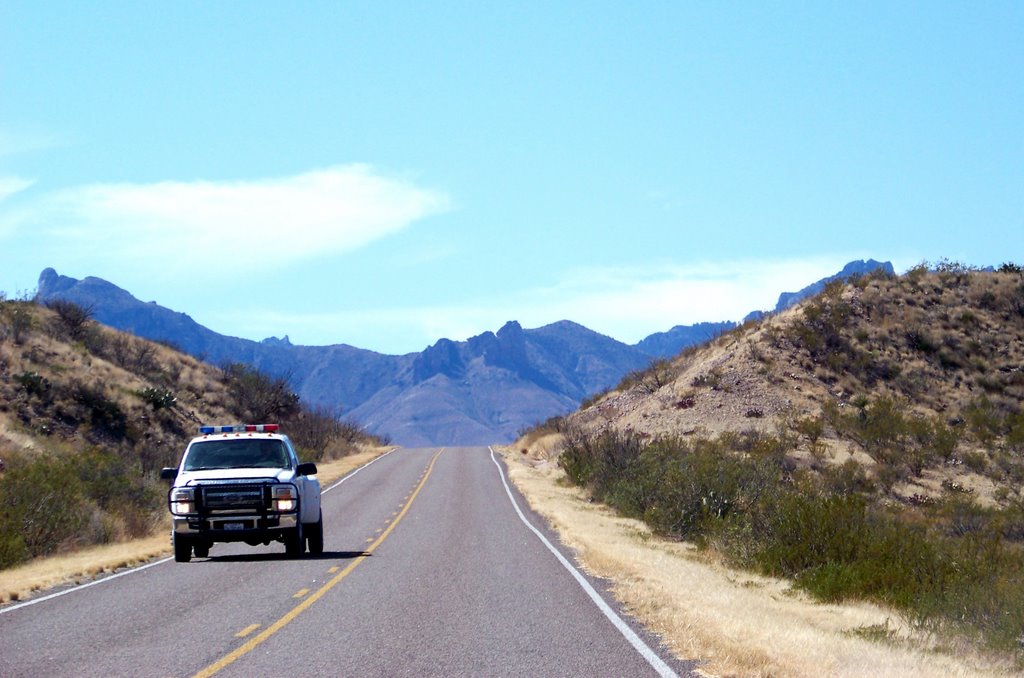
{"type": "Point", "coordinates": [236, 527]}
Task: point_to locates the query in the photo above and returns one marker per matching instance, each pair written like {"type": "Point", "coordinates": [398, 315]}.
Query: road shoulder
{"type": "Point", "coordinates": [735, 623]}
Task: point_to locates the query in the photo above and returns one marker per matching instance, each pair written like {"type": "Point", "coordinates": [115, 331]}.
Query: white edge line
{"type": "Point", "coordinates": [18, 606]}
{"type": "Point", "coordinates": [372, 461]}
{"type": "Point", "coordinates": [58, 594]}
{"type": "Point", "coordinates": [638, 644]}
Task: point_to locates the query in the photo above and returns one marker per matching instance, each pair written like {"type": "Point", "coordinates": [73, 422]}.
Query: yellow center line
{"type": "Point", "coordinates": [289, 616]}
{"type": "Point", "coordinates": [247, 630]}
{"type": "Point", "coordinates": [333, 569]}
{"type": "Point", "coordinates": [300, 593]}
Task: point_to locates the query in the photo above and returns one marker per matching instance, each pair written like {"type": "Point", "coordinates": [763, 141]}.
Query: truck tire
{"type": "Point", "coordinates": [182, 548]}
{"type": "Point", "coordinates": [202, 549]}
{"type": "Point", "coordinates": [315, 536]}
{"type": "Point", "coordinates": [295, 542]}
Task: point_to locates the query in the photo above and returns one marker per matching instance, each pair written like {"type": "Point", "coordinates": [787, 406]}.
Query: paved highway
{"type": "Point", "coordinates": [429, 568]}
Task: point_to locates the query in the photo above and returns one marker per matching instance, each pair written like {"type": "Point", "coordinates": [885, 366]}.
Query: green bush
{"type": "Point", "coordinates": [738, 493]}
{"type": "Point", "coordinates": [105, 415]}
{"type": "Point", "coordinates": [257, 397]}
{"type": "Point", "coordinates": [158, 398]}
{"type": "Point", "coordinates": [41, 508]}
{"type": "Point", "coordinates": [33, 383]}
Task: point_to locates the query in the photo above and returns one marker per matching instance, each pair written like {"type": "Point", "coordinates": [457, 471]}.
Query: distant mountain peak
{"type": "Point", "coordinates": [854, 268]}
{"type": "Point", "coordinates": [50, 282]}
{"type": "Point", "coordinates": [512, 327]}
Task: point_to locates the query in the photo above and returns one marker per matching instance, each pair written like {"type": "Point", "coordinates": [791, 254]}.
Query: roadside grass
{"type": "Point", "coordinates": [738, 623]}
{"type": "Point", "coordinates": [949, 566]}
{"type": "Point", "coordinates": [36, 576]}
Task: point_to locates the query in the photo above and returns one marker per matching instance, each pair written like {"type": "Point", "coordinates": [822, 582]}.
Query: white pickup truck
{"type": "Point", "coordinates": [243, 483]}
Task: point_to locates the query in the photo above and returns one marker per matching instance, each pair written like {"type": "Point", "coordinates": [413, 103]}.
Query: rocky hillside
{"type": "Point", "coordinates": [920, 378]}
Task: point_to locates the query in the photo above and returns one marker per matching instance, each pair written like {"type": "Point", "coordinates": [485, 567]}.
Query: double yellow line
{"type": "Point", "coordinates": [256, 640]}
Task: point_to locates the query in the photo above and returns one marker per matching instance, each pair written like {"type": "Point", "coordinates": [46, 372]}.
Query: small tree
{"type": "Point", "coordinates": [72, 318]}
{"type": "Point", "coordinates": [21, 321]}
{"type": "Point", "coordinates": [257, 397]}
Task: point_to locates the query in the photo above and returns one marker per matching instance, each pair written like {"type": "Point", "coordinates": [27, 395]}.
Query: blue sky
{"type": "Point", "coordinates": [387, 174]}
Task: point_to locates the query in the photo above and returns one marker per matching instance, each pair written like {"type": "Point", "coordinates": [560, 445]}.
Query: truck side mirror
{"type": "Point", "coordinates": [307, 469]}
{"type": "Point", "coordinates": [168, 473]}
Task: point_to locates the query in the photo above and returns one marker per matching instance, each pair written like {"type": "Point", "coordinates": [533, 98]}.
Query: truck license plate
{"type": "Point", "coordinates": [234, 526]}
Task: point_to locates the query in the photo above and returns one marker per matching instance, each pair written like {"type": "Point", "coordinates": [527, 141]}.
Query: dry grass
{"type": "Point", "coordinates": [738, 624]}
{"type": "Point", "coordinates": [19, 583]}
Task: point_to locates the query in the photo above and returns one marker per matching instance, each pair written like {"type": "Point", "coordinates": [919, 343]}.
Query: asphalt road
{"type": "Point", "coordinates": [428, 569]}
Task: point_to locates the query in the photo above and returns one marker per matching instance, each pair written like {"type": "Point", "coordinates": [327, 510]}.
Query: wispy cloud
{"type": "Point", "coordinates": [27, 140]}
{"type": "Point", "coordinates": [192, 225]}
{"type": "Point", "coordinates": [627, 303]}
{"type": "Point", "coordinates": [11, 185]}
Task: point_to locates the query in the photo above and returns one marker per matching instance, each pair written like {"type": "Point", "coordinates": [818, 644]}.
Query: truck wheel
{"type": "Point", "coordinates": [202, 549]}
{"type": "Point", "coordinates": [315, 536]}
{"type": "Point", "coordinates": [295, 542]}
{"type": "Point", "coordinates": [182, 548]}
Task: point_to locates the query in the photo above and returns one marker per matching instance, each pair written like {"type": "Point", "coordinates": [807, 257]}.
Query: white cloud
{"type": "Point", "coordinates": [192, 225]}
{"type": "Point", "coordinates": [625, 303]}
{"type": "Point", "coordinates": [11, 185]}
{"type": "Point", "coordinates": [631, 303]}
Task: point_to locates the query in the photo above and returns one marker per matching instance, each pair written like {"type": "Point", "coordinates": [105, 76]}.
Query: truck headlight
{"type": "Point", "coordinates": [183, 501]}
{"type": "Point", "coordinates": [284, 498]}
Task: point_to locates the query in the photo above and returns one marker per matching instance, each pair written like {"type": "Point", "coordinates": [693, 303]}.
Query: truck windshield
{"type": "Point", "coordinates": [211, 454]}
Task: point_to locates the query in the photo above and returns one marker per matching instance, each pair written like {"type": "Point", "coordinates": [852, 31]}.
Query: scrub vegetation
{"type": "Point", "coordinates": [89, 415]}
{"type": "Point", "coordinates": [866, 445]}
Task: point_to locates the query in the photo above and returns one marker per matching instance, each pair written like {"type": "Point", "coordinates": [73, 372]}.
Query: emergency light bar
{"type": "Point", "coordinates": [240, 428]}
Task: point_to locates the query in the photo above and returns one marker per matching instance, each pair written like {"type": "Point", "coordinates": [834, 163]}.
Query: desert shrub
{"type": "Point", "coordinates": [800, 532]}
{"type": "Point", "coordinates": [143, 358]}
{"type": "Point", "coordinates": [20, 320]}
{"type": "Point", "coordinates": [592, 399]}
{"type": "Point", "coordinates": [42, 506]}
{"type": "Point", "coordinates": [983, 420]}
{"type": "Point", "coordinates": [33, 383]}
{"type": "Point", "coordinates": [734, 492]}
{"type": "Point", "coordinates": [822, 330]}
{"type": "Point", "coordinates": [880, 427]}
{"type": "Point", "coordinates": [551, 425]}
{"type": "Point", "coordinates": [810, 427]}
{"type": "Point", "coordinates": [55, 501]}
{"type": "Point", "coordinates": [120, 348]}
{"type": "Point", "coordinates": [919, 339]}
{"type": "Point", "coordinates": [158, 398]}
{"type": "Point", "coordinates": [104, 414]}
{"type": "Point", "coordinates": [258, 397]}
{"type": "Point", "coordinates": [711, 379]}
{"type": "Point", "coordinates": [72, 320]}
{"type": "Point", "coordinates": [1015, 432]}
{"type": "Point", "coordinates": [846, 478]}
{"type": "Point", "coordinates": [915, 275]}
{"type": "Point", "coordinates": [317, 430]}
{"type": "Point", "coordinates": [603, 459]}
{"type": "Point", "coordinates": [96, 340]}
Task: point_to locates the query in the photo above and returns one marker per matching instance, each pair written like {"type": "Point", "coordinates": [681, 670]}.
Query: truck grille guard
{"type": "Point", "coordinates": [227, 496]}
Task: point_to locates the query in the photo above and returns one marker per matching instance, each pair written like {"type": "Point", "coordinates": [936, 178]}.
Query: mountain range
{"type": "Point", "coordinates": [482, 390]}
